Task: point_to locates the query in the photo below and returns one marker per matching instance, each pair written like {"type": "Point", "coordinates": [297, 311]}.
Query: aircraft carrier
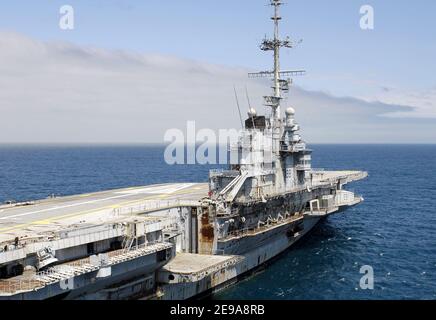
{"type": "Point", "coordinates": [181, 240]}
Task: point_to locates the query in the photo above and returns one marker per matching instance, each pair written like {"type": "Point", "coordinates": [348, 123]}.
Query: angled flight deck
{"type": "Point", "coordinates": [27, 220]}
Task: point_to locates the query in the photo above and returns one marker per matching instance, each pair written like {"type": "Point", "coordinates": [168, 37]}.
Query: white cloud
{"type": "Point", "coordinates": [60, 92]}
{"type": "Point", "coordinates": [424, 102]}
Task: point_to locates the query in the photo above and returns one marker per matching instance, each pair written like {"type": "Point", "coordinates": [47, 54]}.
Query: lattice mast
{"type": "Point", "coordinates": [275, 45]}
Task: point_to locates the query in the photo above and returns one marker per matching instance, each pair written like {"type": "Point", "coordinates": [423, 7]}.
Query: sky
{"type": "Point", "coordinates": [130, 70]}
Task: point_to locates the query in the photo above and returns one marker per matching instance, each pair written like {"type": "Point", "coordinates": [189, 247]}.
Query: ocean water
{"type": "Point", "coordinates": [393, 231]}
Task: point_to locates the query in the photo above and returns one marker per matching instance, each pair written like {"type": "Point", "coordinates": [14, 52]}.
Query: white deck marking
{"type": "Point", "coordinates": [159, 189]}
{"type": "Point", "coordinates": [124, 194]}
{"type": "Point", "coordinates": [62, 207]}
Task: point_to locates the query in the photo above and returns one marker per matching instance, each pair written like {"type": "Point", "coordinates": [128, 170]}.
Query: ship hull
{"type": "Point", "coordinates": [260, 267]}
{"type": "Point", "coordinates": [252, 262]}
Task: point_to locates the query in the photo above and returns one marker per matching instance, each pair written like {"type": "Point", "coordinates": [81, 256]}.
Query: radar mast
{"type": "Point", "coordinates": [279, 85]}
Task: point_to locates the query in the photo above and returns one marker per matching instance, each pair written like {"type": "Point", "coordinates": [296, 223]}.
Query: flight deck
{"type": "Point", "coordinates": [29, 220]}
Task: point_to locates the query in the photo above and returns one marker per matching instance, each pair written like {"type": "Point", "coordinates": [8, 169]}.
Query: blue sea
{"type": "Point", "coordinates": [393, 231]}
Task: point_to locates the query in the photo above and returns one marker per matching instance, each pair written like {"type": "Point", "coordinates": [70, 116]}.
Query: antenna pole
{"type": "Point", "coordinates": [276, 18]}
{"type": "Point", "coordinates": [239, 109]}
{"type": "Point", "coordinates": [274, 45]}
{"type": "Point", "coordinates": [279, 85]}
{"type": "Point", "coordinates": [248, 98]}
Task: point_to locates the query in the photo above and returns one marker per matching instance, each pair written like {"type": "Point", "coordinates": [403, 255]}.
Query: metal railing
{"type": "Point", "coordinates": [253, 231]}
{"type": "Point", "coordinates": [154, 205]}
{"type": "Point", "coordinates": [223, 172]}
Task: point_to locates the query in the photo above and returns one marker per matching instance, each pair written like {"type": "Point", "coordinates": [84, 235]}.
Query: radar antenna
{"type": "Point", "coordinates": [275, 45]}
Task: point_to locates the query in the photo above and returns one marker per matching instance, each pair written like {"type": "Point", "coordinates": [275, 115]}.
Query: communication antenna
{"type": "Point", "coordinates": [248, 98]}
{"type": "Point", "coordinates": [275, 44]}
{"type": "Point", "coordinates": [239, 109]}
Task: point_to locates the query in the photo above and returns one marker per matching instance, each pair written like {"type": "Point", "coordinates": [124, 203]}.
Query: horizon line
{"type": "Point", "coordinates": [2, 144]}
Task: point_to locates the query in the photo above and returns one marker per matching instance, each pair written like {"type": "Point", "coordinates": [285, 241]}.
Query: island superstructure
{"type": "Point", "coordinates": [181, 240]}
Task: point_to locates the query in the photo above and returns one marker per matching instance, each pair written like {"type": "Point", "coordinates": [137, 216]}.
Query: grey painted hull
{"type": "Point", "coordinates": [279, 242]}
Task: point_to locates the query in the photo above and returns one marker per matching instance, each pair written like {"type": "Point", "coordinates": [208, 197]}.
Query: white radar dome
{"type": "Point", "coordinates": [290, 111]}
{"type": "Point", "coordinates": [252, 112]}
